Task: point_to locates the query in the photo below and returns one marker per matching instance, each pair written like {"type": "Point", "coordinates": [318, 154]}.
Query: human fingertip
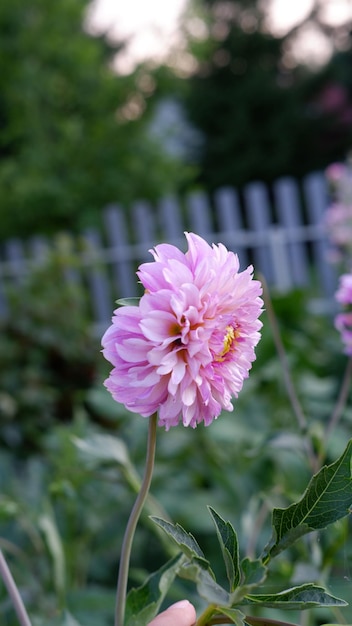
{"type": "Point", "coordinates": [181, 604]}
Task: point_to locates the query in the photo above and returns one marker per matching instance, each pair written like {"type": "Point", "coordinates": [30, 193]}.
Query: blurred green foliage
{"type": "Point", "coordinates": [70, 458]}
{"type": "Point", "coordinates": [68, 476]}
{"type": "Point", "coordinates": [48, 353]}
{"type": "Point", "coordinates": [73, 135]}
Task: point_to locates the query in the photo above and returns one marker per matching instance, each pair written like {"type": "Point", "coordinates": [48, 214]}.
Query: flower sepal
{"type": "Point", "coordinates": [133, 301]}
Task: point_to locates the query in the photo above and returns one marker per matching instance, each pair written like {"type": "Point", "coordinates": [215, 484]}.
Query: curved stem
{"type": "Point", "coordinates": [13, 592]}
{"type": "Point", "coordinates": [132, 523]}
{"type": "Point", "coordinates": [205, 618]}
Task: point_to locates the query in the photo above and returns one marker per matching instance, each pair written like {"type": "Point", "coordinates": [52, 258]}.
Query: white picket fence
{"type": "Point", "coordinates": [282, 233]}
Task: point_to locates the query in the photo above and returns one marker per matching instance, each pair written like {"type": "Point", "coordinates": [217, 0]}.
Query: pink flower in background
{"type": "Point", "coordinates": [186, 349]}
{"type": "Point", "coordinates": [344, 293]}
{"type": "Point", "coordinates": [335, 172]}
{"type": "Point", "coordinates": [343, 321]}
{"type": "Point", "coordinates": [338, 222]}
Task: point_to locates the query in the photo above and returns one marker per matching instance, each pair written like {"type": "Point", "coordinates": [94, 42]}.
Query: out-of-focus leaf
{"type": "Point", "coordinates": [134, 301]}
{"type": "Point", "coordinates": [66, 619]}
{"type": "Point", "coordinates": [307, 596]}
{"type": "Point", "coordinates": [235, 615]}
{"type": "Point", "coordinates": [254, 572]}
{"type": "Point", "coordinates": [102, 449]}
{"type": "Point", "coordinates": [48, 526]}
{"type": "Point", "coordinates": [327, 498]}
{"type": "Point", "coordinates": [207, 586]}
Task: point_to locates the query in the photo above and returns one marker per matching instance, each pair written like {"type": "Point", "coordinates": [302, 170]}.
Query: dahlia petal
{"type": "Point", "coordinates": [160, 326]}
{"type": "Point", "coordinates": [189, 395]}
{"type": "Point", "coordinates": [133, 350]}
{"type": "Point", "coordinates": [178, 372]}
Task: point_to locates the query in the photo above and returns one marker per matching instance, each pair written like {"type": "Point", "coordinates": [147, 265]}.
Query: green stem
{"type": "Point", "coordinates": [342, 399]}
{"type": "Point", "coordinates": [339, 407]}
{"type": "Point", "coordinates": [205, 618]}
{"type": "Point", "coordinates": [13, 592]}
{"type": "Point", "coordinates": [132, 523]}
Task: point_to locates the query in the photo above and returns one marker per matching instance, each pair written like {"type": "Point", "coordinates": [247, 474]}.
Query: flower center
{"type": "Point", "coordinates": [228, 343]}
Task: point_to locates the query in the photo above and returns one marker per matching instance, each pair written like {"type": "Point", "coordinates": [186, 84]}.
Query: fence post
{"type": "Point", "coordinates": [257, 209]}
{"type": "Point", "coordinates": [290, 217]}
{"type": "Point", "coordinates": [123, 273]}
{"type": "Point", "coordinates": [97, 279]}
{"type": "Point", "coordinates": [229, 217]}
{"type": "Point", "coordinates": [317, 201]}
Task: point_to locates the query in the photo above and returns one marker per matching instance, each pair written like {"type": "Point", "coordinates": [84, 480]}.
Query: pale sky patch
{"type": "Point", "coordinates": [151, 26]}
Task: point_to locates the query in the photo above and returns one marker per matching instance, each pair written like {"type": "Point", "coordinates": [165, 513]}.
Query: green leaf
{"type": "Point", "coordinates": [66, 619]}
{"type": "Point", "coordinates": [184, 540]}
{"type": "Point", "coordinates": [235, 615]}
{"type": "Point", "coordinates": [254, 572]}
{"type": "Point", "coordinates": [229, 547]}
{"type": "Point", "coordinates": [143, 603]}
{"type": "Point", "coordinates": [306, 596]}
{"type": "Point", "coordinates": [103, 448]}
{"type": "Point", "coordinates": [207, 586]}
{"type": "Point", "coordinates": [327, 498]}
{"type": "Point", "coordinates": [48, 526]}
{"type": "Point", "coordinates": [134, 301]}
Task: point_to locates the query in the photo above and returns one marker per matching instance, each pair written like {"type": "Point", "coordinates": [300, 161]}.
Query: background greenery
{"type": "Point", "coordinates": [74, 136]}
{"type": "Point", "coordinates": [71, 459]}
{"type": "Point", "coordinates": [71, 138]}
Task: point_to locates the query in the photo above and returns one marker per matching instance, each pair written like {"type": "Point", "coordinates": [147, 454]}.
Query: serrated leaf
{"type": "Point", "coordinates": [133, 301]}
{"type": "Point", "coordinates": [144, 603]}
{"type": "Point", "coordinates": [103, 448]}
{"type": "Point", "coordinates": [254, 572]}
{"type": "Point", "coordinates": [327, 498]}
{"type": "Point", "coordinates": [186, 542]}
{"type": "Point", "coordinates": [229, 547]}
{"type": "Point", "coordinates": [207, 586]}
{"type": "Point", "coordinates": [306, 596]}
{"type": "Point", "coordinates": [235, 615]}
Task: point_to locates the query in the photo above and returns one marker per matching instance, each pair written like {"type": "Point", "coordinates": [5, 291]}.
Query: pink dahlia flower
{"type": "Point", "coordinates": [186, 349]}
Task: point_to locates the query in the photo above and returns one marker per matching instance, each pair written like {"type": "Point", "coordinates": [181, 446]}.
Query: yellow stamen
{"type": "Point", "coordinates": [228, 343]}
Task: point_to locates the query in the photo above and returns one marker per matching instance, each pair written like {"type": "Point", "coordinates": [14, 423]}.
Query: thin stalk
{"type": "Point", "coordinates": [205, 618]}
{"type": "Point", "coordinates": [340, 404]}
{"type": "Point", "coordinates": [13, 592]}
{"type": "Point", "coordinates": [291, 391]}
{"type": "Point", "coordinates": [341, 401]}
{"type": "Point", "coordinates": [132, 523]}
